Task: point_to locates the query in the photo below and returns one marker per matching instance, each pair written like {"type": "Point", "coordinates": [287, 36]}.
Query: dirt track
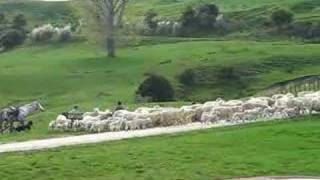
{"type": "Point", "coordinates": [102, 137]}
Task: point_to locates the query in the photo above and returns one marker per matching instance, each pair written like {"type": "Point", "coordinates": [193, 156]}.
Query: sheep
{"type": "Point", "coordinates": [176, 27]}
{"type": "Point", "coordinates": [48, 31]}
{"type": "Point", "coordinates": [311, 102]}
{"type": "Point", "coordinates": [139, 124]}
{"type": "Point", "coordinates": [116, 124]}
{"type": "Point", "coordinates": [165, 27]}
{"type": "Point", "coordinates": [289, 101]}
{"type": "Point", "coordinates": [233, 103]}
{"type": "Point", "coordinates": [191, 113]}
{"type": "Point", "coordinates": [125, 114]}
{"type": "Point", "coordinates": [219, 113]}
{"type": "Point", "coordinates": [211, 104]}
{"type": "Point", "coordinates": [256, 102]}
{"type": "Point", "coordinates": [233, 111]}
{"type": "Point", "coordinates": [63, 34]}
{"type": "Point", "coordinates": [170, 116]}
{"type": "Point", "coordinates": [42, 33]}
{"type": "Point", "coordinates": [100, 126]}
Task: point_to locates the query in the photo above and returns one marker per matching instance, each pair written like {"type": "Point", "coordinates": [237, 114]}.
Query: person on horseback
{"type": "Point", "coordinates": [75, 114]}
{"type": "Point", "coordinates": [119, 106]}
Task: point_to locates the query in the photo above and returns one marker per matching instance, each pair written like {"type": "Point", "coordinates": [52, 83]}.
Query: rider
{"type": "Point", "coordinates": [119, 106]}
{"type": "Point", "coordinates": [75, 113]}
{"type": "Point", "coordinates": [12, 113]}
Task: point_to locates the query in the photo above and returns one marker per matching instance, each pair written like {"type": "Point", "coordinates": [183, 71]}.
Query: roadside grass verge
{"type": "Point", "coordinates": [270, 148]}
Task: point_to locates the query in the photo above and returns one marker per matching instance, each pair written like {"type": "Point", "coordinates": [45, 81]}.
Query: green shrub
{"type": "Point", "coordinates": [306, 30]}
{"type": "Point", "coordinates": [187, 77]}
{"type": "Point", "coordinates": [19, 21]}
{"type": "Point", "coordinates": [207, 15]}
{"type": "Point", "coordinates": [150, 21]}
{"type": "Point", "coordinates": [199, 19]}
{"type": "Point", "coordinates": [10, 38]}
{"type": "Point", "coordinates": [2, 18]}
{"type": "Point", "coordinates": [282, 17]}
{"type": "Point", "coordinates": [157, 88]}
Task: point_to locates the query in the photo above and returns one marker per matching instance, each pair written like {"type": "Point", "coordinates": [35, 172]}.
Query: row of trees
{"type": "Point", "coordinates": [107, 17]}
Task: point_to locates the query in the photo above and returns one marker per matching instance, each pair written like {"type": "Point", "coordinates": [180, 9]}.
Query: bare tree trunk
{"type": "Point", "coordinates": [111, 46]}
{"type": "Point", "coordinates": [111, 34]}
{"type": "Point", "coordinates": [108, 15]}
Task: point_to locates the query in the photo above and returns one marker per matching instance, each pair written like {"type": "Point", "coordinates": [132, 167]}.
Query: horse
{"type": "Point", "coordinates": [23, 112]}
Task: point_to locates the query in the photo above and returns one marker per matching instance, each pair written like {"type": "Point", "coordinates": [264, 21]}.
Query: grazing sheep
{"type": "Point", "coordinates": [48, 32]}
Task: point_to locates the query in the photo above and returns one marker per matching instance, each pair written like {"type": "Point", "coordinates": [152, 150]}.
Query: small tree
{"type": "Point", "coordinates": [207, 15]}
{"type": "Point", "coordinates": [150, 21]}
{"type": "Point", "coordinates": [199, 19]}
{"type": "Point", "coordinates": [188, 21]}
{"type": "Point", "coordinates": [282, 17]}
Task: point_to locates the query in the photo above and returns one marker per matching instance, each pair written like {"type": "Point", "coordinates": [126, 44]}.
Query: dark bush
{"type": "Point", "coordinates": [306, 30]}
{"type": "Point", "coordinates": [12, 33]}
{"type": "Point", "coordinates": [2, 18]}
{"type": "Point", "coordinates": [12, 37]}
{"type": "Point", "coordinates": [150, 21]}
{"type": "Point", "coordinates": [188, 21]}
{"type": "Point", "coordinates": [282, 17]}
{"type": "Point", "coordinates": [200, 19]}
{"type": "Point", "coordinates": [19, 21]}
{"type": "Point", "coordinates": [207, 15]}
{"type": "Point", "coordinates": [227, 74]}
{"type": "Point", "coordinates": [157, 88]}
{"type": "Point", "coordinates": [187, 77]}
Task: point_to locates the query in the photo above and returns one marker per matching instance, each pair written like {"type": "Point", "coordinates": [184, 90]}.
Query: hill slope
{"type": "Point", "coordinates": [247, 10]}
{"type": "Point", "coordinates": [79, 73]}
{"type": "Point", "coordinates": [305, 9]}
{"type": "Point", "coordinates": [38, 12]}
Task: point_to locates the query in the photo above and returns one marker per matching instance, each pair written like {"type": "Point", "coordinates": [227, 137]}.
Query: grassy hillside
{"type": "Point", "coordinates": [38, 12]}
{"type": "Point", "coordinates": [305, 9]}
{"type": "Point", "coordinates": [252, 11]}
{"type": "Point", "coordinates": [79, 73]}
{"type": "Point", "coordinates": [274, 148]}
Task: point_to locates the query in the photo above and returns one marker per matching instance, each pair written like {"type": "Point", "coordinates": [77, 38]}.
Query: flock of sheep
{"type": "Point", "coordinates": [279, 106]}
{"type": "Point", "coordinates": [47, 32]}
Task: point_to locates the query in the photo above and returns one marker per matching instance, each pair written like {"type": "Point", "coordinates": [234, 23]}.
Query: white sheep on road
{"type": "Point", "coordinates": [234, 111]}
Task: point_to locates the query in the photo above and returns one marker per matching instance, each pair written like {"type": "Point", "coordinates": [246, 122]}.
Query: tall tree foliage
{"type": "Point", "coordinates": [108, 16]}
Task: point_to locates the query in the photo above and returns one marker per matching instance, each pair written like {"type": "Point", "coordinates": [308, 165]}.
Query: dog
{"type": "Point", "coordinates": [26, 127]}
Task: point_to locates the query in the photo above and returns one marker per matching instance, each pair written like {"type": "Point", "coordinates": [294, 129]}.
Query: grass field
{"type": "Point", "coordinates": [79, 73]}
{"type": "Point", "coordinates": [273, 148]}
{"type": "Point", "coordinates": [63, 75]}
{"type": "Point", "coordinates": [38, 12]}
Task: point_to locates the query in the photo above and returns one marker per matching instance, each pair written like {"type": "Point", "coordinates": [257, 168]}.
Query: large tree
{"type": "Point", "coordinates": [108, 15]}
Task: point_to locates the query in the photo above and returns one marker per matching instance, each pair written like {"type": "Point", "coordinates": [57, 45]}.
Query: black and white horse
{"type": "Point", "coordinates": [21, 113]}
